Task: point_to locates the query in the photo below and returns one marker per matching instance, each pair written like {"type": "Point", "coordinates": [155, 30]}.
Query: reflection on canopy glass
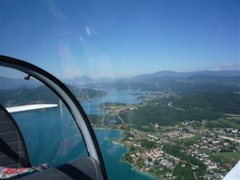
{"type": "Point", "coordinates": [49, 133]}
{"type": "Point", "coordinates": [159, 81]}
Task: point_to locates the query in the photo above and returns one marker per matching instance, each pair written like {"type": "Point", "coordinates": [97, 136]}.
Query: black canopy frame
{"type": "Point", "coordinates": [68, 98]}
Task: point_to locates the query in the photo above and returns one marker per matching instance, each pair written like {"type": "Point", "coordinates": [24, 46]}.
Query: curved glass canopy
{"type": "Point", "coordinates": [73, 121]}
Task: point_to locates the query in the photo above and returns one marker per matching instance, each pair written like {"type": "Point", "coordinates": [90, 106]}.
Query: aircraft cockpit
{"type": "Point", "coordinates": [44, 132]}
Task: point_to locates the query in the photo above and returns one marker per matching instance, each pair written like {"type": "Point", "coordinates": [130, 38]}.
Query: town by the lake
{"type": "Point", "coordinates": [189, 149]}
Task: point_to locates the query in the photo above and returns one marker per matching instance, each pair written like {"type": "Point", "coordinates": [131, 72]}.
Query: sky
{"type": "Point", "coordinates": [121, 38]}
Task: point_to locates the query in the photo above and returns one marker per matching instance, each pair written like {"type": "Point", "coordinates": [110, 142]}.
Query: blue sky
{"type": "Point", "coordinates": [121, 38]}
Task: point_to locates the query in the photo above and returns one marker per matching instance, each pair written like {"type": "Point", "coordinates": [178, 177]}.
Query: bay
{"type": "Point", "coordinates": [119, 96]}
{"type": "Point", "coordinates": [52, 137]}
{"type": "Point", "coordinates": [112, 154]}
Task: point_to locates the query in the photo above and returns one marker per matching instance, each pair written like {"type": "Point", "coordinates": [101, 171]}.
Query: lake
{"type": "Point", "coordinates": [120, 96]}
{"type": "Point", "coordinates": [52, 137]}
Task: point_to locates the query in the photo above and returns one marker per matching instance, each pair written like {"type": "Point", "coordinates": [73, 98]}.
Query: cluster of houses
{"type": "Point", "coordinates": [154, 97]}
{"type": "Point", "coordinates": [214, 141]}
{"type": "Point", "coordinates": [116, 109]}
{"type": "Point", "coordinates": [150, 157]}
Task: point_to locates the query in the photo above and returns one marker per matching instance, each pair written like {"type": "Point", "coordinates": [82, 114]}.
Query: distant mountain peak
{"type": "Point", "coordinates": [167, 73]}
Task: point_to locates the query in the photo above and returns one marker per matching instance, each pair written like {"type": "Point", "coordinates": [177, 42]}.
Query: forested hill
{"type": "Point", "coordinates": [203, 95]}
{"type": "Point", "coordinates": [166, 115]}
{"type": "Point", "coordinates": [42, 94]}
{"type": "Point", "coordinates": [13, 83]}
{"type": "Point", "coordinates": [182, 83]}
{"type": "Point", "coordinates": [207, 106]}
{"type": "Point", "coordinates": [212, 101]}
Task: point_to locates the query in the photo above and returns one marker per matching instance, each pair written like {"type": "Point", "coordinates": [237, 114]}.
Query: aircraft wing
{"type": "Point", "coordinates": [234, 174]}
{"type": "Point", "coordinates": [30, 107]}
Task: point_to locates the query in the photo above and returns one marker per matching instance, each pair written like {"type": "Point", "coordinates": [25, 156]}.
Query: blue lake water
{"type": "Point", "coordinates": [52, 137]}
{"type": "Point", "coordinates": [120, 96]}
{"type": "Point", "coordinates": [112, 154]}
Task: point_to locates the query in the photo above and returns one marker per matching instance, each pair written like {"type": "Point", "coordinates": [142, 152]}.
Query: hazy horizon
{"type": "Point", "coordinates": [11, 73]}
{"type": "Point", "coordinates": [121, 38]}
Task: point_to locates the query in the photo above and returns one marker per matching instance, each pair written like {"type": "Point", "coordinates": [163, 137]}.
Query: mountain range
{"type": "Point", "coordinates": [157, 75]}
{"type": "Point", "coordinates": [162, 78]}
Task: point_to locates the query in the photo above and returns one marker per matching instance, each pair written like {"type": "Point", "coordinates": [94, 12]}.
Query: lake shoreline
{"type": "Point", "coordinates": [114, 141]}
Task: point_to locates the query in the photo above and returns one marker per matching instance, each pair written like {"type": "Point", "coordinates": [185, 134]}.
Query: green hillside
{"type": "Point", "coordinates": [213, 101]}
{"type": "Point", "coordinates": [42, 94]}
{"type": "Point", "coordinates": [206, 106]}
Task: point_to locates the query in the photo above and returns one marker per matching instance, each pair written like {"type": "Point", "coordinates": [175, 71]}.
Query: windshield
{"type": "Point", "coordinates": [37, 129]}
{"type": "Point", "coordinates": [158, 80]}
